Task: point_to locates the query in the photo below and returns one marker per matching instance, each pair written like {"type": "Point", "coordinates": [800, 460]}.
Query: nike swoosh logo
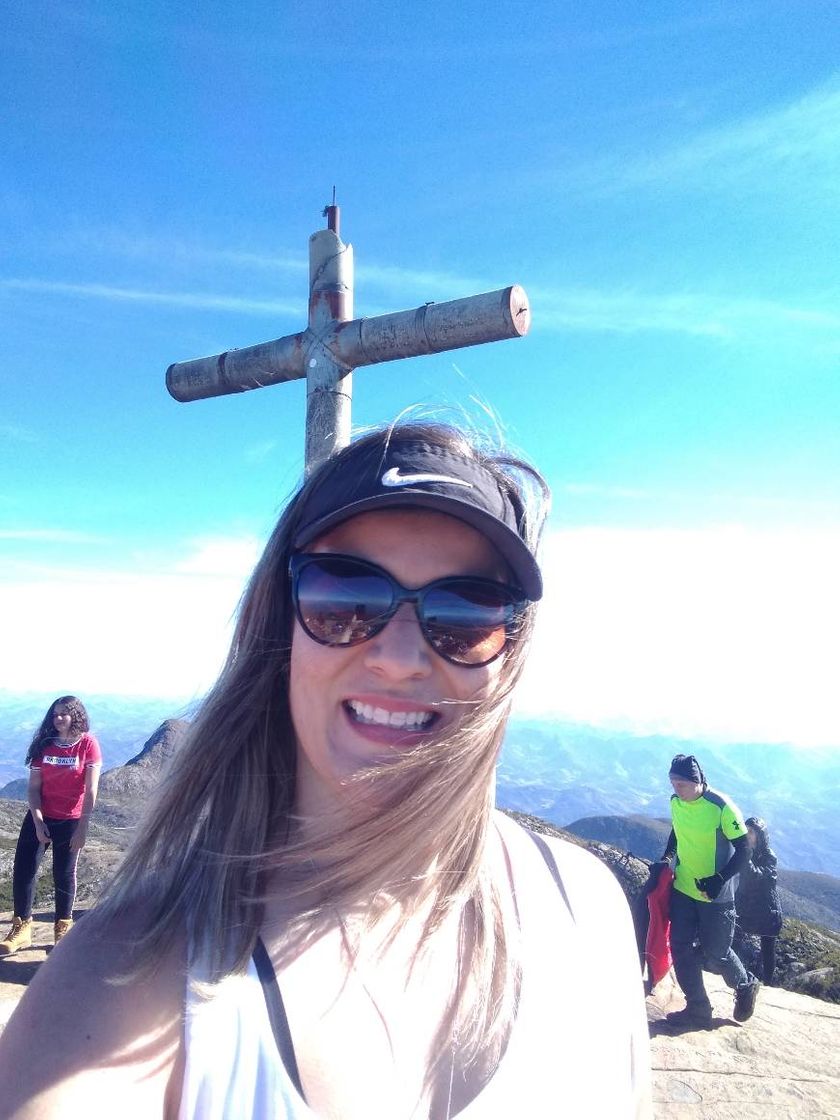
{"type": "Point", "coordinates": [393, 477]}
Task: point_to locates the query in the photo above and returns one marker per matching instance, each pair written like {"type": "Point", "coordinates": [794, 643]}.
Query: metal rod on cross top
{"type": "Point", "coordinates": [334, 344]}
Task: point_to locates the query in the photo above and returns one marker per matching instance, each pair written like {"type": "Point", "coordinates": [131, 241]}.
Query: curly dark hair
{"type": "Point", "coordinates": [79, 724]}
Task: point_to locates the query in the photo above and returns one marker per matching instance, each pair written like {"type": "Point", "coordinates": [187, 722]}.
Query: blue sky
{"type": "Point", "coordinates": [663, 179]}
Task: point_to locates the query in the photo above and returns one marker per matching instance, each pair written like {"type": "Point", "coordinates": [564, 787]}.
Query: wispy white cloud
{"type": "Point", "coordinates": [722, 632]}
{"type": "Point", "coordinates": [722, 504]}
{"type": "Point", "coordinates": [199, 301]}
{"type": "Point", "coordinates": [717, 315]}
{"type": "Point", "coordinates": [400, 47]}
{"type": "Point", "coordinates": [220, 556]}
{"type": "Point", "coordinates": [123, 245]}
{"type": "Point", "coordinates": [166, 251]}
{"type": "Point", "coordinates": [177, 607]}
{"type": "Point", "coordinates": [49, 536]}
{"type": "Point", "coordinates": [624, 312]}
{"type": "Point", "coordinates": [179, 629]}
{"type": "Point", "coordinates": [725, 632]}
{"type": "Point", "coordinates": [800, 140]}
{"type": "Point", "coordinates": [163, 250]}
{"type": "Point", "coordinates": [721, 316]}
{"type": "Point", "coordinates": [257, 452]}
{"type": "Point", "coordinates": [601, 490]}
{"type": "Point", "coordinates": [422, 284]}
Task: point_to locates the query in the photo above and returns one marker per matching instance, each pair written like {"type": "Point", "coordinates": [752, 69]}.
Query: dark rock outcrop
{"type": "Point", "coordinates": [134, 781]}
{"type": "Point", "coordinates": [643, 836]}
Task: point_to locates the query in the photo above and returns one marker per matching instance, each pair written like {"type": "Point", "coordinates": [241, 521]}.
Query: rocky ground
{"type": "Point", "coordinates": [17, 971]}
{"type": "Point", "coordinates": [108, 837]}
{"type": "Point", "coordinates": [782, 1064]}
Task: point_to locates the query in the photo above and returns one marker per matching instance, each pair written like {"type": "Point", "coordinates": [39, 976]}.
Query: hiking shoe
{"type": "Point", "coordinates": [61, 927]}
{"type": "Point", "coordinates": [18, 937]}
{"type": "Point", "coordinates": [745, 998]}
{"type": "Point", "coordinates": [692, 1016]}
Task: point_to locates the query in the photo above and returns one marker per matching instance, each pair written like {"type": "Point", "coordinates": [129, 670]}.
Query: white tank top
{"type": "Point", "coordinates": [579, 1045]}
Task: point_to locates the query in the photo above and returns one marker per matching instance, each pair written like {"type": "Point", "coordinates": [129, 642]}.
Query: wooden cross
{"type": "Point", "coordinates": [334, 344]}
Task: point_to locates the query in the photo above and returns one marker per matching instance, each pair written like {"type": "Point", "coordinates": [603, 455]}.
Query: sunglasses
{"type": "Point", "coordinates": [344, 601]}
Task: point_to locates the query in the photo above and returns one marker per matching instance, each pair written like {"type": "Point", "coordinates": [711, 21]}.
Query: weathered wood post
{"type": "Point", "coordinates": [334, 344]}
{"type": "Point", "coordinates": [329, 386]}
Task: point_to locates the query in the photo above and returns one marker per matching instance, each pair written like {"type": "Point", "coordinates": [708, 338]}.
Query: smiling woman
{"type": "Point", "coordinates": [389, 691]}
{"type": "Point", "coordinates": [323, 915]}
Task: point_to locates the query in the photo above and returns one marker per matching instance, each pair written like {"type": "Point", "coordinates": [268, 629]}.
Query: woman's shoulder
{"type": "Point", "coordinates": [587, 882]}
{"type": "Point", "coordinates": [120, 1029]}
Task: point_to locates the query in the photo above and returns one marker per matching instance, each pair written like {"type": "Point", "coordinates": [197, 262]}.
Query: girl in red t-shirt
{"type": "Point", "coordinates": [64, 761]}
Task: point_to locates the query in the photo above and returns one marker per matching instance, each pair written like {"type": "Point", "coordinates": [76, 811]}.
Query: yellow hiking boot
{"type": "Point", "coordinates": [18, 937]}
{"type": "Point", "coordinates": [61, 927]}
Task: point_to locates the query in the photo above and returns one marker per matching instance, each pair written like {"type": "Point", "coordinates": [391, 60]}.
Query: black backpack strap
{"type": "Point", "coordinates": [277, 1013]}
{"type": "Point", "coordinates": [551, 863]}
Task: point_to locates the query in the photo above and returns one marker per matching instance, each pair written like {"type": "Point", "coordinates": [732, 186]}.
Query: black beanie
{"type": "Point", "coordinates": [686, 766]}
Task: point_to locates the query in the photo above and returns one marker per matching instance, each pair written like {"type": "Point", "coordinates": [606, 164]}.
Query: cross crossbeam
{"type": "Point", "coordinates": [334, 343]}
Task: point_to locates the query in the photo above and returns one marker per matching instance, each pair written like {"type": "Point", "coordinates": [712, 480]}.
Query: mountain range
{"type": "Point", "coordinates": [121, 724]}
{"type": "Point", "coordinates": [563, 772]}
{"type": "Point", "coordinates": [556, 771]}
{"type": "Point", "coordinates": [807, 895]}
{"type": "Point", "coordinates": [809, 957]}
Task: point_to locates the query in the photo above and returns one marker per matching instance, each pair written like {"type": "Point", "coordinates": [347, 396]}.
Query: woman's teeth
{"type": "Point", "coordinates": [366, 713]}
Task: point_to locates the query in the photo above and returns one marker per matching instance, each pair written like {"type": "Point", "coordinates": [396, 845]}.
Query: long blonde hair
{"type": "Point", "coordinates": [222, 823]}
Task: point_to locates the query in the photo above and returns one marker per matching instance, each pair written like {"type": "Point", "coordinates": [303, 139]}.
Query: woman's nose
{"type": "Point", "coordinates": [400, 650]}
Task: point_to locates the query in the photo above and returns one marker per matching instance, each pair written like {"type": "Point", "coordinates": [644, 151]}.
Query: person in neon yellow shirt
{"type": "Point", "coordinates": [709, 841]}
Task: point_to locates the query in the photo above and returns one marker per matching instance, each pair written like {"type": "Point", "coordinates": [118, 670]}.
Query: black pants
{"type": "Point", "coordinates": [743, 947]}
{"type": "Point", "coordinates": [701, 934]}
{"type": "Point", "coordinates": [28, 856]}
{"type": "Point", "coordinates": [768, 959]}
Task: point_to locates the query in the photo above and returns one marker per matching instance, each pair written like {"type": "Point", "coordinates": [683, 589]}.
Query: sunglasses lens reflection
{"type": "Point", "coordinates": [341, 603]}
{"type": "Point", "coordinates": [466, 622]}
